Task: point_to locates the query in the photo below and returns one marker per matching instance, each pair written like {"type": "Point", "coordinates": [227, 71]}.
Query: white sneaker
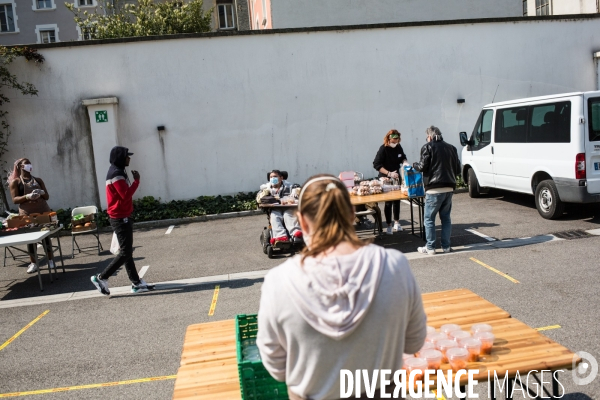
{"type": "Point", "coordinates": [397, 227]}
{"type": "Point", "coordinates": [389, 230]}
{"type": "Point", "coordinates": [101, 284]}
{"type": "Point", "coordinates": [447, 250]}
{"type": "Point", "coordinates": [141, 287]}
{"type": "Point", "coordinates": [32, 268]}
{"type": "Point", "coordinates": [425, 250]}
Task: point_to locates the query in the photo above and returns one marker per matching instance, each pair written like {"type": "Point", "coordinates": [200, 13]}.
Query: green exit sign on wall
{"type": "Point", "coordinates": [101, 116]}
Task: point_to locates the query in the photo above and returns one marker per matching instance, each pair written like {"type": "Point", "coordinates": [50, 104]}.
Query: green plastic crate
{"type": "Point", "coordinates": [255, 382]}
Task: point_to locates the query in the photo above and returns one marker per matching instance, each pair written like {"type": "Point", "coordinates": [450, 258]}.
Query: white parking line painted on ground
{"type": "Point", "coordinates": [486, 237]}
{"type": "Point", "coordinates": [143, 271]}
{"type": "Point", "coordinates": [594, 232]}
{"type": "Point", "coordinates": [169, 230]}
{"type": "Point", "coordinates": [408, 202]}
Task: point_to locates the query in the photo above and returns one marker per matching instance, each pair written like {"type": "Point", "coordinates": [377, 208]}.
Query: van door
{"type": "Point", "coordinates": [510, 150]}
{"type": "Point", "coordinates": [480, 149]}
{"type": "Point", "coordinates": [592, 143]}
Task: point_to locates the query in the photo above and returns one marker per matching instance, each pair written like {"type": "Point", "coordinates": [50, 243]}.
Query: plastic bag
{"type": "Point", "coordinates": [114, 245]}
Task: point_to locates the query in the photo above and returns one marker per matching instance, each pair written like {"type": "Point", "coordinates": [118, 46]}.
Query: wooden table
{"type": "Point", "coordinates": [377, 198]}
{"type": "Point", "coordinates": [209, 368]}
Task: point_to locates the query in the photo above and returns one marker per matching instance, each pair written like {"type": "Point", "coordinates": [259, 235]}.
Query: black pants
{"type": "Point", "coordinates": [30, 247]}
{"type": "Point", "coordinates": [388, 211]}
{"type": "Point", "coordinates": [124, 230]}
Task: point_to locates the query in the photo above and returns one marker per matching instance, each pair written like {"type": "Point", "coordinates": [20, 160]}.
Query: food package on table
{"type": "Point", "coordinates": [287, 200]}
{"type": "Point", "coordinates": [387, 188]}
{"type": "Point", "coordinates": [404, 190]}
{"type": "Point", "coordinates": [396, 187]}
{"type": "Point", "coordinates": [364, 183]}
{"type": "Point", "coordinates": [374, 183]}
{"type": "Point", "coordinates": [364, 191]}
{"type": "Point", "coordinates": [385, 180]}
{"type": "Point", "coordinates": [376, 190]}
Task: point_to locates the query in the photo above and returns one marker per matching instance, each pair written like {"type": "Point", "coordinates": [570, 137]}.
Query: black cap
{"type": "Point", "coordinates": [129, 154]}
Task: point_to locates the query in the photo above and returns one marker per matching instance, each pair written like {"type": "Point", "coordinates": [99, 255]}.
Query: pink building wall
{"type": "Point", "coordinates": [260, 14]}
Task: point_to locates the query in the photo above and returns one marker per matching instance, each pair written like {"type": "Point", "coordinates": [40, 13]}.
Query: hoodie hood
{"type": "Point", "coordinates": [334, 294]}
{"type": "Point", "coordinates": [118, 155]}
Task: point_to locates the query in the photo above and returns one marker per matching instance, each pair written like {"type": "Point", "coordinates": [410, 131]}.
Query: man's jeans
{"type": "Point", "coordinates": [123, 228]}
{"type": "Point", "coordinates": [435, 203]}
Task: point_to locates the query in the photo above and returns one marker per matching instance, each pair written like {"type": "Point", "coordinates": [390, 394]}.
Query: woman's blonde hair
{"type": "Point", "coordinates": [386, 139]}
{"type": "Point", "coordinates": [326, 203]}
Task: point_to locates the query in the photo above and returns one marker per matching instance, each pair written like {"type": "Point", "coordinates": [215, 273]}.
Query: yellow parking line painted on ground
{"type": "Point", "coordinates": [547, 328]}
{"type": "Point", "coordinates": [92, 386]}
{"type": "Point", "coordinates": [213, 305]}
{"type": "Point", "coordinates": [438, 396]}
{"type": "Point", "coordinates": [510, 278]}
{"type": "Point", "coordinates": [29, 325]}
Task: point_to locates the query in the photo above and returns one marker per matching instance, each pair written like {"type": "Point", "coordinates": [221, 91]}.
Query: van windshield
{"type": "Point", "coordinates": [594, 118]}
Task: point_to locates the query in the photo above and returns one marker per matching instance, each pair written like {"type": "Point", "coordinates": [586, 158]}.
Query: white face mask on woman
{"type": "Point", "coordinates": [392, 145]}
{"type": "Point", "coordinates": [27, 167]}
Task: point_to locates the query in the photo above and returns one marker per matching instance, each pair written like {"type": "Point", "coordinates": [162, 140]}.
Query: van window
{"type": "Point", "coordinates": [594, 117]}
{"type": "Point", "coordinates": [482, 134]}
{"type": "Point", "coordinates": [550, 123]}
{"type": "Point", "coordinates": [511, 125]}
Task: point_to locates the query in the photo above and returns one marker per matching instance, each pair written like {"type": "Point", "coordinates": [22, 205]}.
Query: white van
{"type": "Point", "coordinates": [546, 146]}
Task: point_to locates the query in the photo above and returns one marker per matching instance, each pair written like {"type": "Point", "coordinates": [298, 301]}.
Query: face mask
{"type": "Point", "coordinates": [274, 181]}
{"type": "Point", "coordinates": [27, 167]}
{"type": "Point", "coordinates": [392, 145]}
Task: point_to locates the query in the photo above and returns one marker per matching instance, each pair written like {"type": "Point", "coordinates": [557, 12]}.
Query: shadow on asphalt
{"type": "Point", "coordinates": [573, 211]}
{"type": "Point", "coordinates": [177, 288]}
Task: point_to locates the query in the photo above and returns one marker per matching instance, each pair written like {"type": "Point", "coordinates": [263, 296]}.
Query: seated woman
{"type": "Point", "coordinates": [30, 194]}
{"type": "Point", "coordinates": [282, 218]}
{"type": "Point", "coordinates": [341, 304]}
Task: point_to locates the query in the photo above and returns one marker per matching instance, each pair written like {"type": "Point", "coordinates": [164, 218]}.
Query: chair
{"type": "Point", "coordinates": [89, 210]}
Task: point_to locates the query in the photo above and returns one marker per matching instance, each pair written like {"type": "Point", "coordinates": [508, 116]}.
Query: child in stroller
{"type": "Point", "coordinates": [283, 233]}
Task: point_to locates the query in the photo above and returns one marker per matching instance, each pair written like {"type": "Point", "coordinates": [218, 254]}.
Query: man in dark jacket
{"type": "Point", "coordinates": [440, 165]}
{"type": "Point", "coordinates": [119, 196]}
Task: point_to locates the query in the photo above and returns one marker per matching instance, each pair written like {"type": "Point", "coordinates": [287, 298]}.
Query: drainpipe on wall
{"type": "Point", "coordinates": [104, 124]}
{"type": "Point", "coordinates": [597, 65]}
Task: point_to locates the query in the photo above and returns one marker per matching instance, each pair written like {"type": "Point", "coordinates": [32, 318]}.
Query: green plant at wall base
{"type": "Point", "coordinates": [143, 18]}
{"type": "Point", "coordinates": [460, 183]}
{"type": "Point", "coordinates": [150, 209]}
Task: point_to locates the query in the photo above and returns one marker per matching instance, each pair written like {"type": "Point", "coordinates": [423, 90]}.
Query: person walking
{"type": "Point", "coordinates": [440, 165]}
{"type": "Point", "coordinates": [31, 195]}
{"type": "Point", "coordinates": [341, 304]}
{"type": "Point", "coordinates": [119, 196]}
{"type": "Point", "coordinates": [388, 160]}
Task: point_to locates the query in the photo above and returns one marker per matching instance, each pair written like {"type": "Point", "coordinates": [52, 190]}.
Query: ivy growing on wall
{"type": "Point", "coordinates": [143, 18]}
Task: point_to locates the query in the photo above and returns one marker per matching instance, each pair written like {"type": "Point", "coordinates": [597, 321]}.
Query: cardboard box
{"type": "Point", "coordinates": [43, 218]}
{"type": "Point", "coordinates": [87, 218]}
{"type": "Point", "coordinates": [18, 221]}
{"type": "Point", "coordinates": [82, 228]}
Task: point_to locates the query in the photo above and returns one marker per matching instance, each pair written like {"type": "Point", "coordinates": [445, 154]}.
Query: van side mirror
{"type": "Point", "coordinates": [463, 139]}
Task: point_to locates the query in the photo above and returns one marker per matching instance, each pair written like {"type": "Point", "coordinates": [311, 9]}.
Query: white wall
{"type": "Point", "coordinates": [572, 6]}
{"type": "Point", "coordinates": [307, 102]}
{"type": "Point", "coordinates": [304, 13]}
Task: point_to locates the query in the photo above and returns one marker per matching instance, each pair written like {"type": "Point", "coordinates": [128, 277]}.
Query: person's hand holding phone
{"type": "Point", "coordinates": [136, 175]}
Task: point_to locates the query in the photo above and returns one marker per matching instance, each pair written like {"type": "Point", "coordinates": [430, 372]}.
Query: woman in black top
{"type": "Point", "coordinates": [388, 161]}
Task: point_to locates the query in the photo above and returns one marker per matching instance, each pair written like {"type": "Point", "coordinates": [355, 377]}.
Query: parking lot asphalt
{"type": "Point", "coordinates": [135, 337]}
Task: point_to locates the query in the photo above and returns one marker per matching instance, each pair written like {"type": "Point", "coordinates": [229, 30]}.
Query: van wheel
{"type": "Point", "coordinates": [474, 189]}
{"type": "Point", "coordinates": [547, 201]}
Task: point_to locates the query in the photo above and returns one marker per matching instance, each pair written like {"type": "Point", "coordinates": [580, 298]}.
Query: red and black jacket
{"type": "Point", "coordinates": [119, 191]}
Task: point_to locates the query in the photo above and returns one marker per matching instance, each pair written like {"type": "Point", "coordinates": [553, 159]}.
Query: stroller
{"type": "Point", "coordinates": [291, 246]}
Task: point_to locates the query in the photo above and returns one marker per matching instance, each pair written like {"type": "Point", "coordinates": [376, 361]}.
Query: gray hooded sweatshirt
{"type": "Point", "coordinates": [358, 311]}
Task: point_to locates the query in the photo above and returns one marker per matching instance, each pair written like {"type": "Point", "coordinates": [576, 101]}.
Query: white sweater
{"type": "Point", "coordinates": [358, 311]}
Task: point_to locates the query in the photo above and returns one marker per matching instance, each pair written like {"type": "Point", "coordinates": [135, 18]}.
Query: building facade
{"type": "Point", "coordinates": [560, 7]}
{"type": "Point", "coordinates": [50, 21]}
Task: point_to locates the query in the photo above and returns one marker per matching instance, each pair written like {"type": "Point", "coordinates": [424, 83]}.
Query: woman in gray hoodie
{"type": "Point", "coordinates": [341, 304]}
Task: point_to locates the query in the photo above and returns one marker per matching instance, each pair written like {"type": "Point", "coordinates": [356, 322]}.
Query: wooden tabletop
{"type": "Point", "coordinates": [376, 198]}
{"type": "Point", "coordinates": [209, 367]}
